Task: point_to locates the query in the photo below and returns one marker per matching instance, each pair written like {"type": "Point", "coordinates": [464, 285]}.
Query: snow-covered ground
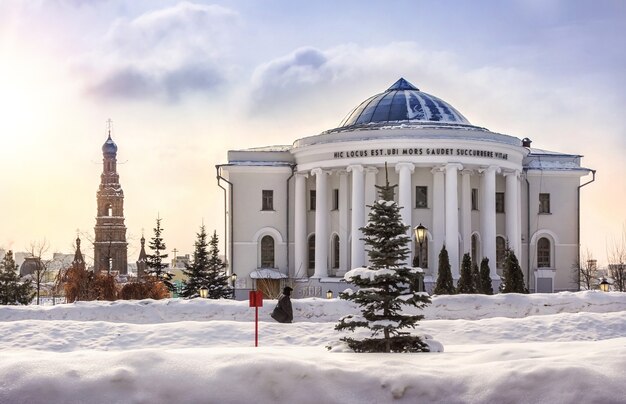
{"type": "Point", "coordinates": [550, 348]}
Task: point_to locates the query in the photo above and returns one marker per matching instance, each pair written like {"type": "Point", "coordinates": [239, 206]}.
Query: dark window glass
{"type": "Point", "coordinates": [267, 252]}
{"type": "Point", "coordinates": [312, 252]}
{"type": "Point", "coordinates": [543, 253]}
{"type": "Point", "coordinates": [544, 203]}
{"type": "Point", "coordinates": [335, 199]}
{"type": "Point", "coordinates": [382, 110]}
{"type": "Point", "coordinates": [421, 197]}
{"type": "Point", "coordinates": [312, 199]}
{"type": "Point", "coordinates": [500, 248]}
{"type": "Point", "coordinates": [268, 200]}
{"type": "Point", "coordinates": [499, 202]}
{"type": "Point", "coordinates": [474, 249]}
{"type": "Point", "coordinates": [335, 251]}
{"type": "Point", "coordinates": [474, 198]}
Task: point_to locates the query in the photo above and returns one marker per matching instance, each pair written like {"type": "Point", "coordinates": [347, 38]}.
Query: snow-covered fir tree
{"type": "Point", "coordinates": [485, 277]}
{"type": "Point", "coordinates": [386, 286]}
{"type": "Point", "coordinates": [206, 270]}
{"type": "Point", "coordinates": [445, 283]}
{"type": "Point", "coordinates": [466, 281]}
{"type": "Point", "coordinates": [513, 278]}
{"type": "Point", "coordinates": [154, 261]}
{"type": "Point", "coordinates": [12, 290]}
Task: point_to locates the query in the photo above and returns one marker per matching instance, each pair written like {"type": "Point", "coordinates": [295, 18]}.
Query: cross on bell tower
{"type": "Point", "coordinates": [110, 246]}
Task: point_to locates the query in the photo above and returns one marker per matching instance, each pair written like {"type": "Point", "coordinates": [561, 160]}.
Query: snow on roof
{"type": "Point", "coordinates": [267, 273]}
{"type": "Point", "coordinates": [274, 148]}
{"type": "Point", "coordinates": [534, 151]}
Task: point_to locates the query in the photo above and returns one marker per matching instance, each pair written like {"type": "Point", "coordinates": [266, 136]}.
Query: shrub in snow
{"type": "Point", "coordinates": [156, 267]}
{"type": "Point", "coordinates": [485, 277]}
{"type": "Point", "coordinates": [206, 270]}
{"type": "Point", "coordinates": [12, 290]}
{"type": "Point", "coordinates": [445, 284]}
{"type": "Point", "coordinates": [149, 288]}
{"type": "Point", "coordinates": [386, 286]}
{"type": "Point", "coordinates": [466, 281]}
{"type": "Point", "coordinates": [513, 278]}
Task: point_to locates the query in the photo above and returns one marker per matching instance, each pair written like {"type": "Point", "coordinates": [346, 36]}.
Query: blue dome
{"type": "Point", "coordinates": [109, 147]}
{"type": "Point", "coordinates": [403, 102]}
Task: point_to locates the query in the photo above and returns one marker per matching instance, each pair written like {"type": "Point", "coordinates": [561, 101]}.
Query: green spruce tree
{"type": "Point", "coordinates": [466, 281]}
{"type": "Point", "coordinates": [513, 279]}
{"type": "Point", "coordinates": [156, 267]}
{"type": "Point", "coordinates": [485, 277]}
{"type": "Point", "coordinates": [445, 283]}
{"type": "Point", "coordinates": [208, 270]}
{"type": "Point", "coordinates": [12, 290]}
{"type": "Point", "coordinates": [476, 278]}
{"type": "Point", "coordinates": [386, 286]}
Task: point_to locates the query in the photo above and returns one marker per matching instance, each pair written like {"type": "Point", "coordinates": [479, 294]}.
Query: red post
{"type": "Point", "coordinates": [256, 301]}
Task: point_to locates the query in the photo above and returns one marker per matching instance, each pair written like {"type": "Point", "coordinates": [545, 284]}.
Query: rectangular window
{"type": "Point", "coordinates": [268, 200]}
{"type": "Point", "coordinates": [312, 199]}
{"type": "Point", "coordinates": [335, 199]}
{"type": "Point", "coordinates": [474, 198]}
{"type": "Point", "coordinates": [421, 197]}
{"type": "Point", "coordinates": [499, 202]}
{"type": "Point", "coordinates": [544, 203]}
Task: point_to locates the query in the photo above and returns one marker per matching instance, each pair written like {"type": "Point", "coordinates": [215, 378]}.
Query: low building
{"type": "Point", "coordinates": [295, 211]}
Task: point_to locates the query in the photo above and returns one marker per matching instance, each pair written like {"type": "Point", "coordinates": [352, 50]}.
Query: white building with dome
{"type": "Point", "coordinates": [293, 212]}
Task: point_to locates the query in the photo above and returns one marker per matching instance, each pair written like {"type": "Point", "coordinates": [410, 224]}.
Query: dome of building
{"type": "Point", "coordinates": [403, 103]}
{"type": "Point", "coordinates": [109, 147]}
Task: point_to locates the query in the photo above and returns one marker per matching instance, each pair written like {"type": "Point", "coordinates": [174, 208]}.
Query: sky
{"type": "Point", "coordinates": [511, 348]}
{"type": "Point", "coordinates": [184, 82]}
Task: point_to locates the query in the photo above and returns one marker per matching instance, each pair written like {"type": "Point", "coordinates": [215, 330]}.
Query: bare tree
{"type": "Point", "coordinates": [37, 250]}
{"type": "Point", "coordinates": [616, 255]}
{"type": "Point", "coordinates": [585, 271]}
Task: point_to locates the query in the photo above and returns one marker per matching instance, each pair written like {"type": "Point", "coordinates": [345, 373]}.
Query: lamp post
{"type": "Point", "coordinates": [233, 277]}
{"type": "Point", "coordinates": [420, 236]}
{"type": "Point", "coordinates": [604, 285]}
{"type": "Point", "coordinates": [329, 294]}
{"type": "Point", "coordinates": [204, 292]}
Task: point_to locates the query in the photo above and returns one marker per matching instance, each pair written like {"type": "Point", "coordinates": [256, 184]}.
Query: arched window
{"type": "Point", "coordinates": [267, 252]}
{"type": "Point", "coordinates": [109, 210]}
{"type": "Point", "coordinates": [474, 249]}
{"type": "Point", "coordinates": [543, 253]}
{"type": "Point", "coordinates": [335, 251]}
{"type": "Point", "coordinates": [500, 248]}
{"type": "Point", "coordinates": [311, 252]}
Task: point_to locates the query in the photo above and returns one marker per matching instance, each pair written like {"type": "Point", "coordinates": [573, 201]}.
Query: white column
{"type": "Point", "coordinates": [371, 196]}
{"type": "Point", "coordinates": [452, 217]}
{"type": "Point", "coordinates": [404, 171]}
{"type": "Point", "coordinates": [438, 230]}
{"type": "Point", "coordinates": [344, 228]}
{"type": "Point", "coordinates": [300, 244]}
{"type": "Point", "coordinates": [321, 223]}
{"type": "Point", "coordinates": [357, 255]}
{"type": "Point", "coordinates": [488, 216]}
{"type": "Point", "coordinates": [511, 208]}
{"type": "Point", "coordinates": [466, 211]}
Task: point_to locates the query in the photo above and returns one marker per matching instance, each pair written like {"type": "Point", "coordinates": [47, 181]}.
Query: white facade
{"type": "Point", "coordinates": [473, 189]}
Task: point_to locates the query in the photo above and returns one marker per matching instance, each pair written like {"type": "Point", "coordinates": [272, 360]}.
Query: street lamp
{"type": "Point", "coordinates": [604, 285]}
{"type": "Point", "coordinates": [204, 292]}
{"type": "Point", "coordinates": [234, 279]}
{"type": "Point", "coordinates": [329, 294]}
{"type": "Point", "coordinates": [420, 236]}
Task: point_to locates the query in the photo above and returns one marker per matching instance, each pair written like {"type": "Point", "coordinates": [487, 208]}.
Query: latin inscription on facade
{"type": "Point", "coordinates": [421, 151]}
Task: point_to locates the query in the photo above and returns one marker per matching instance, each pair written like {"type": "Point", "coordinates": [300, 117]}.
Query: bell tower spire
{"type": "Point", "coordinates": [110, 246]}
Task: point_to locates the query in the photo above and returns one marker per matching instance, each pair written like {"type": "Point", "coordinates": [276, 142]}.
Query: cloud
{"type": "Point", "coordinates": [163, 54]}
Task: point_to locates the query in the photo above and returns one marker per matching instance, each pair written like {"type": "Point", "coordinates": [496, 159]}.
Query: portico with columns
{"type": "Point", "coordinates": [468, 186]}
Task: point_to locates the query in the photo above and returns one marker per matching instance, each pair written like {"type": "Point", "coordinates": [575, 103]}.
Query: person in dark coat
{"type": "Point", "coordinates": [283, 312]}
